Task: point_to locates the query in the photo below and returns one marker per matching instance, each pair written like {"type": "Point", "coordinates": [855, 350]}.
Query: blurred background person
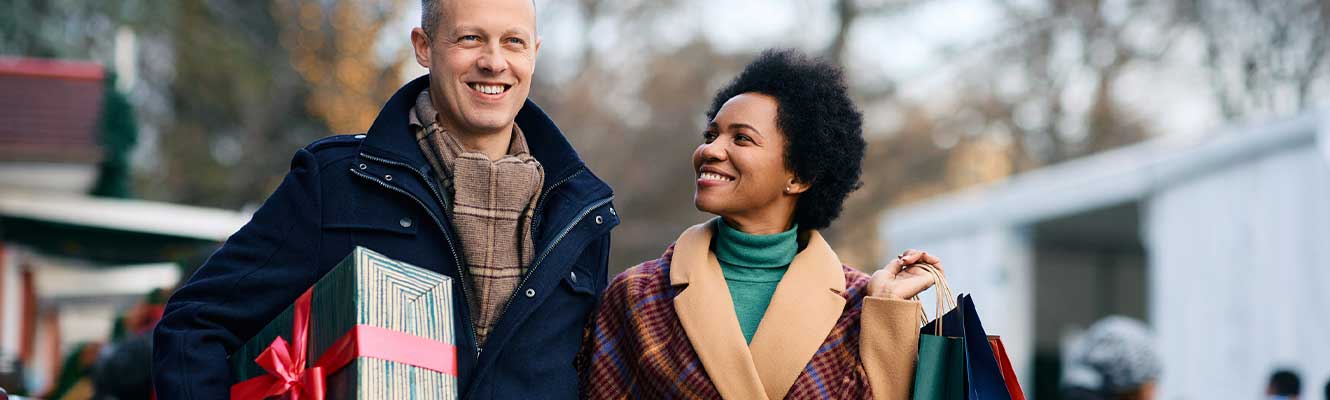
{"type": "Point", "coordinates": [1284, 385]}
{"type": "Point", "coordinates": [1114, 360]}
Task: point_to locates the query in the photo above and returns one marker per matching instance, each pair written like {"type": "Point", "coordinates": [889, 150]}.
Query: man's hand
{"type": "Point", "coordinates": [896, 282]}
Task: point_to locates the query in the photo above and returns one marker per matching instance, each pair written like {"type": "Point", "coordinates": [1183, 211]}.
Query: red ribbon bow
{"type": "Point", "coordinates": [285, 362]}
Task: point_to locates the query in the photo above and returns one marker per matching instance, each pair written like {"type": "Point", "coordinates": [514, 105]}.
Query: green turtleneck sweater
{"type": "Point", "coordinates": [753, 266]}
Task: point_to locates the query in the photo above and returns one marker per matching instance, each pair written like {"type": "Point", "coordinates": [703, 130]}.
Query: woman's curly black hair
{"type": "Point", "coordinates": [823, 129]}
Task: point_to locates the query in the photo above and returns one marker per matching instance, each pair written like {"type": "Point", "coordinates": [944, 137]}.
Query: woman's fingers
{"type": "Point", "coordinates": [912, 256]}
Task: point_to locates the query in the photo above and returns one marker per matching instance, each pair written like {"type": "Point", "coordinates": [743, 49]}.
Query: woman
{"type": "Point", "coordinates": [755, 304]}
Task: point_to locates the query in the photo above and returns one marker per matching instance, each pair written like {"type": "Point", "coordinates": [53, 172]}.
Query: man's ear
{"type": "Point", "coordinates": [421, 43]}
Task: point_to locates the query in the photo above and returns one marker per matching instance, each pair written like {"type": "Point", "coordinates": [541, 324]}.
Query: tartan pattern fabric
{"type": "Point", "coordinates": [493, 203]}
{"type": "Point", "coordinates": [635, 347]}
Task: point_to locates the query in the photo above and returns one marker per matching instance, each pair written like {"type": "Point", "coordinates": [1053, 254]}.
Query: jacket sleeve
{"type": "Point", "coordinates": [889, 345]}
{"type": "Point", "coordinates": [255, 275]}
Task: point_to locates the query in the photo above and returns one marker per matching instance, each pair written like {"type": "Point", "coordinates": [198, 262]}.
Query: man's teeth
{"type": "Point", "coordinates": [715, 177]}
{"type": "Point", "coordinates": [488, 89]}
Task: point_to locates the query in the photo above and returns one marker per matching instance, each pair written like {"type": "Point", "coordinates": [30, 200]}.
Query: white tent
{"type": "Point", "coordinates": [1222, 245]}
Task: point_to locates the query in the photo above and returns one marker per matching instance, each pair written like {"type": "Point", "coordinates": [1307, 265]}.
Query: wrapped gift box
{"type": "Point", "coordinates": [377, 329]}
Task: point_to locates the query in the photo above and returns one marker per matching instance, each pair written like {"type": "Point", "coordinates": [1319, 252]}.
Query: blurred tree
{"type": "Point", "coordinates": [119, 133]}
{"type": "Point", "coordinates": [242, 84]}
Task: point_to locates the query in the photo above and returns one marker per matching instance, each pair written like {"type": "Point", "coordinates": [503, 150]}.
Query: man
{"type": "Point", "coordinates": [460, 174]}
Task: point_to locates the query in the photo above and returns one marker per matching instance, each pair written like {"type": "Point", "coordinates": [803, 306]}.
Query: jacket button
{"type": "Point", "coordinates": [572, 275]}
{"type": "Point", "coordinates": [530, 293]}
{"type": "Point", "coordinates": [405, 222]}
{"type": "Point", "coordinates": [387, 177]}
{"type": "Point", "coordinates": [363, 166]}
{"type": "Point", "coordinates": [599, 220]}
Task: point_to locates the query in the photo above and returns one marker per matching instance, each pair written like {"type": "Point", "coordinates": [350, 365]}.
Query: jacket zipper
{"type": "Point", "coordinates": [451, 248]}
{"type": "Point", "coordinates": [540, 203]}
{"type": "Point", "coordinates": [550, 248]}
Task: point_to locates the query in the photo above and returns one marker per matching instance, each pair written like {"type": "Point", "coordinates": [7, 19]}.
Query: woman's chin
{"type": "Point", "coordinates": [706, 206]}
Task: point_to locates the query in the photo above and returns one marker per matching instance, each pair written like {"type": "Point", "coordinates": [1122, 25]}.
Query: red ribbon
{"type": "Point", "coordinates": [285, 362]}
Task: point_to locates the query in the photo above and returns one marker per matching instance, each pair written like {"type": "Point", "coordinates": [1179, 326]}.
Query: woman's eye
{"type": "Point", "coordinates": [742, 138]}
{"type": "Point", "coordinates": [708, 136]}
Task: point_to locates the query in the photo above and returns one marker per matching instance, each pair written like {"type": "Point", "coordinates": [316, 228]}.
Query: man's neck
{"type": "Point", "coordinates": [493, 145]}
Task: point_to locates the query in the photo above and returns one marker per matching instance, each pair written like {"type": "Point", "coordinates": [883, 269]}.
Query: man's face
{"type": "Point", "coordinates": [480, 59]}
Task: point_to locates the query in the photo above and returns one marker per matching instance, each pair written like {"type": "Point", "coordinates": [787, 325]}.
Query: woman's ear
{"type": "Point", "coordinates": [795, 186]}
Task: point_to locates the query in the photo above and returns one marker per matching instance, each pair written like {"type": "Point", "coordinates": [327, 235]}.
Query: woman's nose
{"type": "Point", "coordinates": [713, 151]}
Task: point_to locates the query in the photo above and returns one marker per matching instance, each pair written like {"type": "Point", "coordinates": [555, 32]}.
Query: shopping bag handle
{"type": "Point", "coordinates": [943, 293]}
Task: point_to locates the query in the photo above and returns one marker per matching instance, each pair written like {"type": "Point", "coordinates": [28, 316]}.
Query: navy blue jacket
{"type": "Point", "coordinates": [378, 190]}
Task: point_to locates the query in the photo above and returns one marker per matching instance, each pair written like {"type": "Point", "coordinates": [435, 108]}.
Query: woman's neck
{"type": "Point", "coordinates": [759, 226]}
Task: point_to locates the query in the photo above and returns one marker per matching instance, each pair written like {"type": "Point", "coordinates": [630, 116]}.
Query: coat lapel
{"type": "Point", "coordinates": [707, 315]}
{"type": "Point", "coordinates": [803, 311]}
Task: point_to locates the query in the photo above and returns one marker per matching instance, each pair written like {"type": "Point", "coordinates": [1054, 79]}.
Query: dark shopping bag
{"type": "Point", "coordinates": [939, 373]}
{"type": "Point", "coordinates": [983, 375]}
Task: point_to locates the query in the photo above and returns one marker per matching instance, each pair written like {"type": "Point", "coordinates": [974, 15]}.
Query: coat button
{"type": "Point", "coordinates": [572, 276]}
{"type": "Point", "coordinates": [388, 177]}
{"type": "Point", "coordinates": [530, 293]}
{"type": "Point", "coordinates": [599, 220]}
{"type": "Point", "coordinates": [405, 222]}
{"type": "Point", "coordinates": [363, 166]}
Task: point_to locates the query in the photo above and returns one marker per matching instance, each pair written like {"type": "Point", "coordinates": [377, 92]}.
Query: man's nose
{"type": "Point", "coordinates": [492, 60]}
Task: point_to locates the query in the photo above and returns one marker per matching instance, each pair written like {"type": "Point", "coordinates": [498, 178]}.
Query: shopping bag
{"type": "Point", "coordinates": [983, 376]}
{"type": "Point", "coordinates": [1004, 363]}
{"type": "Point", "coordinates": [939, 373]}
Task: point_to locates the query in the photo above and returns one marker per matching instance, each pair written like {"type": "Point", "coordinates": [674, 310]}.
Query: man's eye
{"type": "Point", "coordinates": [516, 41]}
{"type": "Point", "coordinates": [469, 38]}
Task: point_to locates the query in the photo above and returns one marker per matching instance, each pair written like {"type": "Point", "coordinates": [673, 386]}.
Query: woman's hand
{"type": "Point", "coordinates": [894, 283]}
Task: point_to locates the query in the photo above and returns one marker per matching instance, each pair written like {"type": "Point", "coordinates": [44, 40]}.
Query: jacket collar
{"type": "Point", "coordinates": [804, 309]}
{"type": "Point", "coordinates": [390, 136]}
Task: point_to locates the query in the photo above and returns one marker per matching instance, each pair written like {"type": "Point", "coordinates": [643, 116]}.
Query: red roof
{"type": "Point", "coordinates": [49, 110]}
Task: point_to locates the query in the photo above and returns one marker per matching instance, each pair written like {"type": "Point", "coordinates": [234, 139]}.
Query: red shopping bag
{"type": "Point", "coordinates": [1008, 374]}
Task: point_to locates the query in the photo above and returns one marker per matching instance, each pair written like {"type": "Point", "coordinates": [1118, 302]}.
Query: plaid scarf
{"type": "Point", "coordinates": [492, 204]}
{"type": "Point", "coordinates": [635, 347]}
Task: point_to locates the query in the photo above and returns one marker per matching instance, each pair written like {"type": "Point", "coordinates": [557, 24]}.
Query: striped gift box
{"type": "Point", "coordinates": [369, 289]}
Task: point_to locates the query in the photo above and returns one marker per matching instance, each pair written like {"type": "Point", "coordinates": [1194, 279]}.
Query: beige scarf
{"type": "Point", "coordinates": [492, 204]}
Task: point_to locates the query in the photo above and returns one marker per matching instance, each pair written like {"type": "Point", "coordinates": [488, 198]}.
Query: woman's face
{"type": "Point", "coordinates": [740, 164]}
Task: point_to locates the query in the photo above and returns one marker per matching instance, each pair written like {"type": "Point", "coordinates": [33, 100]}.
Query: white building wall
{"type": "Point", "coordinates": [1240, 267]}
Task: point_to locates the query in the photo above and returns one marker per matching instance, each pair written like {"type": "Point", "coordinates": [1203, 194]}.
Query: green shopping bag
{"type": "Point", "coordinates": [939, 373]}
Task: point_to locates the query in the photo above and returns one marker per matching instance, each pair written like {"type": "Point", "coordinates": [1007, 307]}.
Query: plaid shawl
{"type": "Point", "coordinates": [635, 346]}
{"type": "Point", "coordinates": [492, 205]}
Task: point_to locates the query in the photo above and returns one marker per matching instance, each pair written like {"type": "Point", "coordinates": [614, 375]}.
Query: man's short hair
{"type": "Point", "coordinates": [430, 13]}
{"type": "Point", "coordinates": [1285, 383]}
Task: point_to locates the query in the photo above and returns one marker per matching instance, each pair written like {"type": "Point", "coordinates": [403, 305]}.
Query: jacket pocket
{"type": "Point", "coordinates": [580, 282]}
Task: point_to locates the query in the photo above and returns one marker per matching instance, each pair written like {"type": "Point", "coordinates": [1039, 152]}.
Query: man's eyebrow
{"type": "Point", "coordinates": [516, 31]}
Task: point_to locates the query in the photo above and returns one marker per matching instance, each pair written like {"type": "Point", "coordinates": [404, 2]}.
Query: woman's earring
{"type": "Point", "coordinates": [787, 189]}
